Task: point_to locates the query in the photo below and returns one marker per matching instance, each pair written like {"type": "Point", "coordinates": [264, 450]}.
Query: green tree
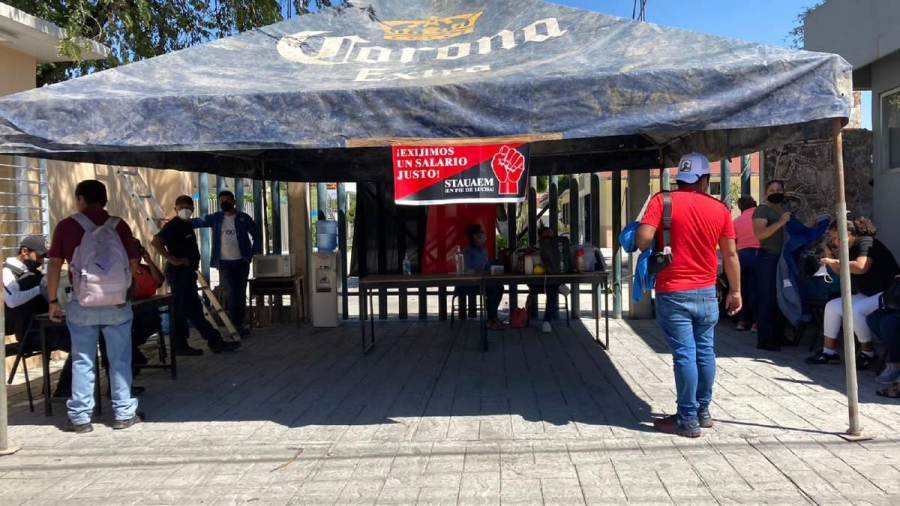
{"type": "Point", "coordinates": [795, 36]}
{"type": "Point", "coordinates": [139, 29]}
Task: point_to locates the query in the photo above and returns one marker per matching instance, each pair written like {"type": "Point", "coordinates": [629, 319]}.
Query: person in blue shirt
{"type": "Point", "coordinates": [478, 259]}
{"type": "Point", "coordinates": [235, 240]}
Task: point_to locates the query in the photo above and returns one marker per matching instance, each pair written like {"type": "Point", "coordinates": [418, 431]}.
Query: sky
{"type": "Point", "coordinates": [761, 21]}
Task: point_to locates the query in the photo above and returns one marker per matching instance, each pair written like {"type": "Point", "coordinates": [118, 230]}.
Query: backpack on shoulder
{"type": "Point", "coordinates": [100, 272]}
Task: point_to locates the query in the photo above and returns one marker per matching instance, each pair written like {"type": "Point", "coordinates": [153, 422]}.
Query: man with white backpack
{"type": "Point", "coordinates": [102, 259]}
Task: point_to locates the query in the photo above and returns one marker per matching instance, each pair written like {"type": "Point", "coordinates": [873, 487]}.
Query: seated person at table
{"type": "Point", "coordinates": [885, 325]}
{"type": "Point", "coordinates": [23, 300]}
{"type": "Point", "coordinates": [872, 269]}
{"type": "Point", "coordinates": [177, 243]}
{"type": "Point", "coordinates": [550, 290]}
{"type": "Point", "coordinates": [478, 259]}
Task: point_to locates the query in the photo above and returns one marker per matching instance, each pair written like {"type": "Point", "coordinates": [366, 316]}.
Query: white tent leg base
{"type": "Point", "coordinates": [855, 438]}
{"type": "Point", "coordinates": [9, 451]}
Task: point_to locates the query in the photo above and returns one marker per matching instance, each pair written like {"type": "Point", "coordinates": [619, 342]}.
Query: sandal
{"type": "Point", "coordinates": [891, 392]}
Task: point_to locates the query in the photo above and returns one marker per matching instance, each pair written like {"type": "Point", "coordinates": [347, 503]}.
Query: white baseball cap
{"type": "Point", "coordinates": [691, 167]}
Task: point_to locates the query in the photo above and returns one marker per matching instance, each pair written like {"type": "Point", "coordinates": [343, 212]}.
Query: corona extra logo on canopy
{"type": "Point", "coordinates": [352, 50]}
{"type": "Point", "coordinates": [433, 28]}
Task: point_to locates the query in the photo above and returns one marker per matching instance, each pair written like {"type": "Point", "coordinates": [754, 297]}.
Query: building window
{"type": "Point", "coordinates": [890, 117]}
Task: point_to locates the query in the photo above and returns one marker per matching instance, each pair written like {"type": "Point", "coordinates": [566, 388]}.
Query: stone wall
{"type": "Point", "coordinates": [808, 171]}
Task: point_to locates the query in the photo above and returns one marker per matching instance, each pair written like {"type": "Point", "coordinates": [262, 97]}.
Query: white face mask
{"type": "Point", "coordinates": [185, 214]}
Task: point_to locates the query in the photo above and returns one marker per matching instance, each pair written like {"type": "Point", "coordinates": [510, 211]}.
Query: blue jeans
{"type": "Point", "coordinates": [886, 327]}
{"type": "Point", "coordinates": [689, 319]}
{"type": "Point", "coordinates": [747, 258]}
{"type": "Point", "coordinates": [769, 320]}
{"type": "Point", "coordinates": [233, 275]}
{"type": "Point", "coordinates": [183, 283]}
{"type": "Point", "coordinates": [85, 326]}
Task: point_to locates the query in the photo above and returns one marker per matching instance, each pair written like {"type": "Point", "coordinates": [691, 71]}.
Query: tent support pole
{"type": "Point", "coordinates": [725, 182]}
{"type": "Point", "coordinates": [342, 243]}
{"type": "Point", "coordinates": [221, 184]}
{"type": "Point", "coordinates": [203, 210]}
{"type": "Point", "coordinates": [321, 201]}
{"type": "Point", "coordinates": [595, 237]}
{"type": "Point", "coordinates": [381, 245]}
{"type": "Point", "coordinates": [745, 175]}
{"type": "Point", "coordinates": [617, 247]}
{"type": "Point", "coordinates": [575, 221]}
{"type": "Point", "coordinates": [532, 232]}
{"type": "Point", "coordinates": [276, 217]}
{"type": "Point", "coordinates": [855, 430]}
{"type": "Point", "coordinates": [553, 198]}
{"type": "Point", "coordinates": [511, 233]}
{"type": "Point", "coordinates": [239, 193]}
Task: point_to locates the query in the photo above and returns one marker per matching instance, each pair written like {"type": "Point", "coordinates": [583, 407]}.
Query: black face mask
{"type": "Point", "coordinates": [776, 198]}
{"type": "Point", "coordinates": [226, 207]}
{"type": "Point", "coordinates": [31, 265]}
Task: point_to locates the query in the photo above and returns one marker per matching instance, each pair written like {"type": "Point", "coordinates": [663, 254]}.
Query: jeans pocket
{"type": "Point", "coordinates": [710, 308]}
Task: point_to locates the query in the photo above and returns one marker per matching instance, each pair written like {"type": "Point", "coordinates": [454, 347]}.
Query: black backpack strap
{"type": "Point", "coordinates": [667, 218]}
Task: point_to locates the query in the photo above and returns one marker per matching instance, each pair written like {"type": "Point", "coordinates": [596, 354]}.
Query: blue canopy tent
{"type": "Point", "coordinates": [594, 92]}
{"type": "Point", "coordinates": [322, 97]}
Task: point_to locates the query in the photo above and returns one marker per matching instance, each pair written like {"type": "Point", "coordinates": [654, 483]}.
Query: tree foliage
{"type": "Point", "coordinates": [138, 29]}
{"type": "Point", "coordinates": [795, 36]}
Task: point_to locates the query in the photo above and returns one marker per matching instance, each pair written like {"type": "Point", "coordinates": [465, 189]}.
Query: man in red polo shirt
{"type": "Point", "coordinates": [86, 323]}
{"type": "Point", "coordinates": [686, 306]}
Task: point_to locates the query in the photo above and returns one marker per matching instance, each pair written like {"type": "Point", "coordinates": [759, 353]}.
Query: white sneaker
{"type": "Point", "coordinates": [546, 328]}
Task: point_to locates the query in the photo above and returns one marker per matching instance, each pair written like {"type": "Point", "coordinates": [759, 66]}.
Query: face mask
{"type": "Point", "coordinates": [479, 238]}
{"type": "Point", "coordinates": [226, 207]}
{"type": "Point", "coordinates": [776, 198]}
{"type": "Point", "coordinates": [185, 214]}
{"type": "Point", "coordinates": [32, 265]}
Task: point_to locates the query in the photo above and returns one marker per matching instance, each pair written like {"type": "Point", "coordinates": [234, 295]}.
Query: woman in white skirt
{"type": "Point", "coordinates": [872, 269]}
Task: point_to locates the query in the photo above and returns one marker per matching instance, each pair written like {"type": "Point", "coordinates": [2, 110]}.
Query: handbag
{"type": "Point", "coordinates": [890, 299]}
{"type": "Point", "coordinates": [556, 254]}
{"type": "Point", "coordinates": [660, 260]}
{"type": "Point", "coordinates": [519, 317]}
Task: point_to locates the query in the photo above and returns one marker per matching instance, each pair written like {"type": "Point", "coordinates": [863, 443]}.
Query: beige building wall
{"type": "Point", "coordinates": [18, 72]}
{"type": "Point", "coordinates": [62, 177]}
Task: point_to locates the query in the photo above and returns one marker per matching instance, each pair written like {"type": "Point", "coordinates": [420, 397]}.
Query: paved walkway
{"type": "Point", "coordinates": [301, 417]}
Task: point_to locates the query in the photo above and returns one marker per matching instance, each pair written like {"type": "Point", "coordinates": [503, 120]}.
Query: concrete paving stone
{"type": "Point", "coordinates": [480, 486]}
{"type": "Point", "coordinates": [482, 457]}
{"type": "Point", "coordinates": [360, 492]}
{"type": "Point", "coordinates": [320, 491]}
{"type": "Point", "coordinates": [426, 405]}
{"type": "Point", "coordinates": [561, 492]}
{"type": "Point", "coordinates": [398, 495]}
{"type": "Point", "coordinates": [526, 491]}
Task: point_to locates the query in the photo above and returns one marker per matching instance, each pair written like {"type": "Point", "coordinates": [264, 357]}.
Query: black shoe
{"type": "Point", "coordinates": [863, 362]}
{"type": "Point", "coordinates": [704, 418]}
{"type": "Point", "coordinates": [78, 429]}
{"type": "Point", "coordinates": [187, 351]}
{"type": "Point", "coordinates": [823, 358]}
{"type": "Point", "coordinates": [223, 346]}
{"type": "Point", "coordinates": [124, 424]}
{"type": "Point", "coordinates": [768, 346]}
{"type": "Point", "coordinates": [62, 394]}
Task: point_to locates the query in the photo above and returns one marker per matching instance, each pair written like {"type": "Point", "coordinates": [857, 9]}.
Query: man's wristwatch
{"type": "Point", "coordinates": [54, 301]}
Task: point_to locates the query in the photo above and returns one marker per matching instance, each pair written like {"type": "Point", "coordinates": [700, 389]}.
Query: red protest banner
{"type": "Point", "coordinates": [494, 173]}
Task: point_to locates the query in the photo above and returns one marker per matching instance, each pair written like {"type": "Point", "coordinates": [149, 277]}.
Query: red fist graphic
{"type": "Point", "coordinates": [508, 165]}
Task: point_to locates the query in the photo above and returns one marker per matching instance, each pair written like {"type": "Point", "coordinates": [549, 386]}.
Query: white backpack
{"type": "Point", "coordinates": [100, 273]}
